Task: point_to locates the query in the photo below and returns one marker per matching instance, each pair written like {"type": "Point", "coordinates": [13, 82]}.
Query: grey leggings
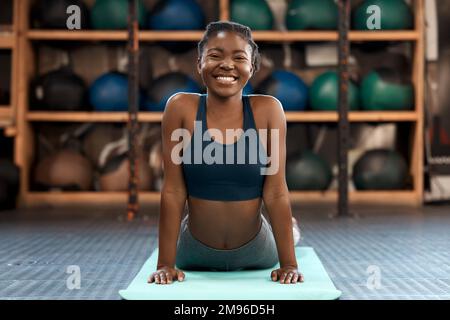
{"type": "Point", "coordinates": [259, 253]}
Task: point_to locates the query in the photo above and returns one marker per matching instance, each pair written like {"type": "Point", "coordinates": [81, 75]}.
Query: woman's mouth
{"type": "Point", "coordinates": [228, 80]}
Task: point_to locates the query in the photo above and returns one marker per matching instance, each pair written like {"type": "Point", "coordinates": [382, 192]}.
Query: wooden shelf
{"type": "Point", "coordinates": [403, 197]}
{"type": "Point", "coordinates": [41, 116]}
{"type": "Point", "coordinates": [5, 112]}
{"type": "Point", "coordinates": [7, 41]}
{"type": "Point", "coordinates": [100, 198]}
{"type": "Point", "coordinates": [306, 116]}
{"type": "Point", "coordinates": [114, 198]}
{"type": "Point", "coordinates": [355, 116]}
{"type": "Point", "coordinates": [6, 116]}
{"type": "Point", "coordinates": [277, 36]}
{"type": "Point", "coordinates": [403, 35]}
{"type": "Point", "coordinates": [120, 35]}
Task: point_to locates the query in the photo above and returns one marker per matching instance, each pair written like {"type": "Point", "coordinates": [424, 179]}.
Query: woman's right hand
{"type": "Point", "coordinates": [166, 275]}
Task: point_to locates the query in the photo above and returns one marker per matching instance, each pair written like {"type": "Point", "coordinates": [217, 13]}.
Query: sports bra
{"type": "Point", "coordinates": [210, 174]}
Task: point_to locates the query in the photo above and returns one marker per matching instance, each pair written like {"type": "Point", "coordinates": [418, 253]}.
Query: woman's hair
{"type": "Point", "coordinates": [215, 27]}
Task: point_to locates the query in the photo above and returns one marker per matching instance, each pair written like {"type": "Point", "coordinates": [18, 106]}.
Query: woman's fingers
{"type": "Point", "coordinates": [289, 277]}
{"type": "Point", "coordinates": [274, 275]}
{"type": "Point", "coordinates": [301, 278]}
{"type": "Point", "coordinates": [163, 277]}
{"type": "Point", "coordinates": [286, 276]}
{"type": "Point", "coordinates": [180, 276]}
{"type": "Point", "coordinates": [283, 277]}
{"type": "Point", "coordinates": [166, 277]}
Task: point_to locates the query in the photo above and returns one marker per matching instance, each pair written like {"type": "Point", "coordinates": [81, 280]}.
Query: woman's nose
{"type": "Point", "coordinates": [227, 64]}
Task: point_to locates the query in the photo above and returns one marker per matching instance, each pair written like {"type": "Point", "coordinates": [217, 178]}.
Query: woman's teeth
{"type": "Point", "coordinates": [226, 79]}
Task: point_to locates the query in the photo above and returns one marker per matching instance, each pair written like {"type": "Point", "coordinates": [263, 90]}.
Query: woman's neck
{"type": "Point", "coordinates": [224, 107]}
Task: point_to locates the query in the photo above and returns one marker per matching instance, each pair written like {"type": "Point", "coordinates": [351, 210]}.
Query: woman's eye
{"type": "Point", "coordinates": [241, 58]}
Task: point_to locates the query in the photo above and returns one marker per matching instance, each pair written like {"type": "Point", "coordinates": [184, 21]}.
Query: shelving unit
{"type": "Point", "coordinates": [327, 116]}
{"type": "Point", "coordinates": [9, 41]}
{"type": "Point", "coordinates": [25, 118]}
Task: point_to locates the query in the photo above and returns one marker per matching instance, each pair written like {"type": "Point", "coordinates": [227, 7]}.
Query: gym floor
{"type": "Point", "coordinates": [408, 246]}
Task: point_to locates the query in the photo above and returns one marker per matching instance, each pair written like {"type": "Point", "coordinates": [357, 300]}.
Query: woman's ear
{"type": "Point", "coordinates": [199, 65]}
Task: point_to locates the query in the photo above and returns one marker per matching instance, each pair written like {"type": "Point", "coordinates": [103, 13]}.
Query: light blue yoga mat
{"type": "Point", "coordinates": [236, 285]}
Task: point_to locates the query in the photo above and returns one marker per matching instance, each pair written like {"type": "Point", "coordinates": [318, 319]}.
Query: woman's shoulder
{"type": "Point", "coordinates": [183, 100]}
{"type": "Point", "coordinates": [266, 105]}
{"type": "Point", "coordinates": [181, 105]}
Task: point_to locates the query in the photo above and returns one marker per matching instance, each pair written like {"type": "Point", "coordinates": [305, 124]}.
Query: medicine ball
{"type": "Point", "coordinates": [52, 14]}
{"type": "Point", "coordinates": [380, 169]}
{"type": "Point", "coordinates": [387, 89]}
{"type": "Point", "coordinates": [98, 137]}
{"type": "Point", "coordinates": [109, 92]}
{"type": "Point", "coordinates": [288, 88]}
{"type": "Point", "coordinates": [176, 15]}
{"type": "Point", "coordinates": [9, 184]}
{"type": "Point", "coordinates": [308, 171]}
{"type": "Point", "coordinates": [325, 91]}
{"type": "Point", "coordinates": [114, 175]}
{"type": "Point", "coordinates": [394, 15]}
{"type": "Point", "coordinates": [65, 170]}
{"type": "Point", "coordinates": [311, 15]}
{"type": "Point", "coordinates": [256, 14]}
{"type": "Point", "coordinates": [59, 90]}
{"type": "Point", "coordinates": [163, 87]}
{"type": "Point", "coordinates": [113, 14]}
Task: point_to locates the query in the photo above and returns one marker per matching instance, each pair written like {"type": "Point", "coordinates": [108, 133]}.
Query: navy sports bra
{"type": "Point", "coordinates": [226, 172]}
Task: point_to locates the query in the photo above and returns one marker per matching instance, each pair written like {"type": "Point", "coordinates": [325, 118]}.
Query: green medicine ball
{"type": "Point", "coordinates": [308, 171]}
{"type": "Point", "coordinates": [255, 14]}
{"type": "Point", "coordinates": [384, 89]}
{"type": "Point", "coordinates": [312, 14]}
{"type": "Point", "coordinates": [324, 93]}
{"type": "Point", "coordinates": [380, 169]}
{"type": "Point", "coordinates": [394, 15]}
{"type": "Point", "coordinates": [113, 14]}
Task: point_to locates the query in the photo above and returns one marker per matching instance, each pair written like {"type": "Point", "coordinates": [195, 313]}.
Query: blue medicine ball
{"type": "Point", "coordinates": [109, 92]}
{"type": "Point", "coordinates": [286, 87]}
{"type": "Point", "coordinates": [162, 88]}
{"type": "Point", "coordinates": [177, 15]}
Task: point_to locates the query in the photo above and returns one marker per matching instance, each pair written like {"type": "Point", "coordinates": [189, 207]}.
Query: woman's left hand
{"type": "Point", "coordinates": [287, 275]}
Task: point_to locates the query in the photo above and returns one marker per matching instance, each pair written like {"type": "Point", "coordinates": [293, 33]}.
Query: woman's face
{"type": "Point", "coordinates": [226, 64]}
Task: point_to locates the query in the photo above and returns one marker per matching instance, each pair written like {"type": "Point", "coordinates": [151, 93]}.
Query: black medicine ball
{"type": "Point", "coordinates": [60, 90]}
{"type": "Point", "coordinates": [52, 14]}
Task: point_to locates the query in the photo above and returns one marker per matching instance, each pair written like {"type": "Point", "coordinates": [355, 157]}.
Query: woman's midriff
{"type": "Point", "coordinates": [224, 224]}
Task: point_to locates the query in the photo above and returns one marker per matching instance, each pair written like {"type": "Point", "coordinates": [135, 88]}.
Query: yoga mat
{"type": "Point", "coordinates": [236, 285]}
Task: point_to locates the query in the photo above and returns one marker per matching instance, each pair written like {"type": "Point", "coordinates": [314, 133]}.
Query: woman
{"type": "Point", "coordinates": [224, 228]}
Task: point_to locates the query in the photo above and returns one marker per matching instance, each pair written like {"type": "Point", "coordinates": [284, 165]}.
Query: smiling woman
{"type": "Point", "coordinates": [225, 228]}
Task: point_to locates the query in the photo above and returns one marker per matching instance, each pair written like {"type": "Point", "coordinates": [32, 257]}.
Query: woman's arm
{"type": "Point", "coordinates": [173, 192]}
{"type": "Point", "coordinates": [276, 194]}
